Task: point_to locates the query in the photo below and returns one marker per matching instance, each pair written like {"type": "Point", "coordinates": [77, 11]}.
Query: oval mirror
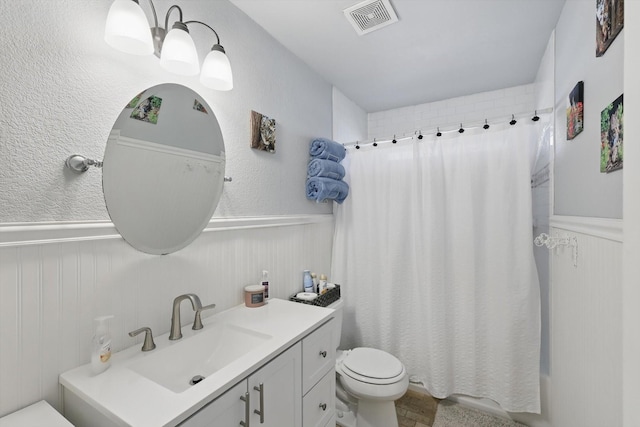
{"type": "Point", "coordinates": [163, 169]}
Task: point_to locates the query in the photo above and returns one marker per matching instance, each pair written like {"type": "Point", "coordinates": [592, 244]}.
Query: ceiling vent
{"type": "Point", "coordinates": [370, 15]}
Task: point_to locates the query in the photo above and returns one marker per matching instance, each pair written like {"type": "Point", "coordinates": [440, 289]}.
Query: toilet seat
{"type": "Point", "coordinates": [372, 366]}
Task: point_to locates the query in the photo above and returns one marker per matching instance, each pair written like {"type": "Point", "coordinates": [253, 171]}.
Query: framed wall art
{"type": "Point", "coordinates": [609, 23]}
{"type": "Point", "coordinates": [575, 111]}
{"type": "Point", "coordinates": [263, 132]}
{"type": "Point", "coordinates": [611, 135]}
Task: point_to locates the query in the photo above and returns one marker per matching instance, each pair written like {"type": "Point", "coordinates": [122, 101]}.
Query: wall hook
{"type": "Point", "coordinates": [80, 164]}
{"type": "Point", "coordinates": [551, 242]}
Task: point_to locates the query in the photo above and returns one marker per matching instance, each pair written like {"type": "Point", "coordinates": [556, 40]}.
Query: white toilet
{"type": "Point", "coordinates": [368, 381]}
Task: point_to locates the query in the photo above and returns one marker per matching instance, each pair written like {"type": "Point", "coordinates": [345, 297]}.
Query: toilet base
{"type": "Point", "coordinates": [375, 413]}
{"type": "Point", "coordinates": [363, 412]}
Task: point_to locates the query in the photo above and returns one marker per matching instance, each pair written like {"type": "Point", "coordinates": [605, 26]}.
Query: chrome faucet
{"type": "Point", "coordinates": [176, 333]}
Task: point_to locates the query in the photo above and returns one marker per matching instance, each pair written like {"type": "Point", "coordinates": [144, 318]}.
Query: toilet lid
{"type": "Point", "coordinates": [373, 363]}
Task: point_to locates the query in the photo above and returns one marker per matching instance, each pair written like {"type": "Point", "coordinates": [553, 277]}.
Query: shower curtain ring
{"type": "Point", "coordinates": [357, 145]}
{"type": "Point", "coordinates": [513, 120]}
{"type": "Point", "coordinates": [375, 144]}
{"type": "Point", "coordinates": [461, 130]}
{"type": "Point", "coordinates": [535, 117]}
{"type": "Point", "coordinates": [420, 135]}
{"type": "Point", "coordinates": [486, 125]}
{"type": "Point", "coordinates": [439, 133]}
{"type": "Point", "coordinates": [393, 141]}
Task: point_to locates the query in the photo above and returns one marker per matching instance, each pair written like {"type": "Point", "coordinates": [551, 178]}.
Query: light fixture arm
{"type": "Point", "coordinates": [166, 19]}
{"type": "Point", "coordinates": [153, 10]}
{"type": "Point", "coordinates": [209, 27]}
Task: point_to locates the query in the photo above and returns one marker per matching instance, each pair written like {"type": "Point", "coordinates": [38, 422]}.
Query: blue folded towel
{"type": "Point", "coordinates": [325, 168]}
{"type": "Point", "coordinates": [320, 188]}
{"type": "Point", "coordinates": [322, 148]}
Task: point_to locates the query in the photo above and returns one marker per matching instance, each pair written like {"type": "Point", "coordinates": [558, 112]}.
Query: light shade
{"type": "Point", "coordinates": [216, 70]}
{"type": "Point", "coordinates": [179, 53]}
{"type": "Point", "coordinates": [127, 28]}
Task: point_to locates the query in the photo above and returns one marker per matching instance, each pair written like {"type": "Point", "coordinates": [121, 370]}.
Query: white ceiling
{"type": "Point", "coordinates": [438, 49]}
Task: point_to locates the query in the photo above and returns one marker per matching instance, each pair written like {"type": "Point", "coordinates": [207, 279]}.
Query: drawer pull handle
{"type": "Point", "coordinates": [261, 411]}
{"type": "Point", "coordinates": [323, 406]}
{"type": "Point", "coordinates": [247, 410]}
{"type": "Point", "coordinates": [323, 353]}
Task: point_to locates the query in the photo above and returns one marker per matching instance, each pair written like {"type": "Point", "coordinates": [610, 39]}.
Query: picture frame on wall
{"type": "Point", "coordinates": [611, 135]}
{"type": "Point", "coordinates": [609, 23]}
{"type": "Point", "coordinates": [263, 132]}
{"type": "Point", "coordinates": [575, 111]}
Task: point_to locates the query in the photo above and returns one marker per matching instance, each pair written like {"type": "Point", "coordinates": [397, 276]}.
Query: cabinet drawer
{"type": "Point", "coordinates": [319, 406]}
{"type": "Point", "coordinates": [317, 355]}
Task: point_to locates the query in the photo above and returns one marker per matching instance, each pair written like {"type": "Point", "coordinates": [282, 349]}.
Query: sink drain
{"type": "Point", "coordinates": [195, 380]}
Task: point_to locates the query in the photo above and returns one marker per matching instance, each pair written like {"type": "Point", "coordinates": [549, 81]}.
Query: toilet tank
{"type": "Point", "coordinates": [337, 320]}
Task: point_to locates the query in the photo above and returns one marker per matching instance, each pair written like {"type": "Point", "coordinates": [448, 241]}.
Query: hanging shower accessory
{"type": "Point", "coordinates": [552, 242]}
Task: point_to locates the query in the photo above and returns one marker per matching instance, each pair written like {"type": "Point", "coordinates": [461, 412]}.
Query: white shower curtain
{"type": "Point", "coordinates": [433, 249]}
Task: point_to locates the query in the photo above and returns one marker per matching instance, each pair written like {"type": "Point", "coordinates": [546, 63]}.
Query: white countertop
{"type": "Point", "coordinates": [38, 414]}
{"type": "Point", "coordinates": [131, 399]}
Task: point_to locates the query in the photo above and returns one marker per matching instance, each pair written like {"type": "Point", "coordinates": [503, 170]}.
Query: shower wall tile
{"type": "Point", "coordinates": [51, 292]}
{"type": "Point", "coordinates": [450, 113]}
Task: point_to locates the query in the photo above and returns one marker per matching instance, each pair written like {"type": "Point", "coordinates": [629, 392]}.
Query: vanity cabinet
{"type": "Point", "coordinates": [270, 397]}
{"type": "Point", "coordinates": [285, 380]}
{"type": "Point", "coordinates": [306, 369]}
{"type": "Point", "coordinates": [318, 377]}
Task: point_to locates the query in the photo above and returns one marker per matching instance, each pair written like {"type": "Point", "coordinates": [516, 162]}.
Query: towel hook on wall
{"type": "Point", "coordinates": [80, 164]}
{"type": "Point", "coordinates": [551, 242]}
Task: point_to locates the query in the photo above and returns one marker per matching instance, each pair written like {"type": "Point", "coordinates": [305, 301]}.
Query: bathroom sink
{"type": "Point", "coordinates": [191, 360]}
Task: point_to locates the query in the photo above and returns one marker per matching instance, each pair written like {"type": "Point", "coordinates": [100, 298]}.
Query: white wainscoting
{"type": "Point", "coordinates": [586, 324]}
{"type": "Point", "coordinates": [55, 278]}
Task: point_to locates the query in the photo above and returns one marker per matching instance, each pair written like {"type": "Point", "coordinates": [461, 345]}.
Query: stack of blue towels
{"type": "Point", "coordinates": [325, 173]}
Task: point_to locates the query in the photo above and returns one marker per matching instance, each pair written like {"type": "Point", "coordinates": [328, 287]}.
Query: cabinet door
{"type": "Point", "coordinates": [276, 391]}
{"type": "Point", "coordinates": [318, 356]}
{"type": "Point", "coordinates": [226, 410]}
{"type": "Point", "coordinates": [318, 406]}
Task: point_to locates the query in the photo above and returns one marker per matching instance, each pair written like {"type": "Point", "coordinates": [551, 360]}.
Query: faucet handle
{"type": "Point", "coordinates": [197, 321]}
{"type": "Point", "coordinates": [148, 338]}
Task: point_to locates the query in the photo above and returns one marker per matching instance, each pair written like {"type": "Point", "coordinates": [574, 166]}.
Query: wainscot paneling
{"type": "Point", "coordinates": [586, 324]}
{"type": "Point", "coordinates": [56, 278]}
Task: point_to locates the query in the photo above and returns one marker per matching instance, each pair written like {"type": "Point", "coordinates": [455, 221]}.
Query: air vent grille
{"type": "Point", "coordinates": [370, 15]}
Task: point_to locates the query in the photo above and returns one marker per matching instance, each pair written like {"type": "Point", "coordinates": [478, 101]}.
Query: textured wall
{"type": "Point", "coordinates": [579, 187]}
{"type": "Point", "coordinates": [63, 87]}
{"type": "Point", "coordinates": [450, 113]}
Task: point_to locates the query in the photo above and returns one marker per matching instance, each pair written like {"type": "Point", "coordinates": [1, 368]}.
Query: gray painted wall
{"type": "Point", "coordinates": [579, 187]}
{"type": "Point", "coordinates": [63, 88]}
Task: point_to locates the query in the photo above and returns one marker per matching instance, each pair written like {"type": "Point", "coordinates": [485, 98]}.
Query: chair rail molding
{"type": "Point", "coordinates": [37, 233]}
{"type": "Point", "coordinates": [606, 228]}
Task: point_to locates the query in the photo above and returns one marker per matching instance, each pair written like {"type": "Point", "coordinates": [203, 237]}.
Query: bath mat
{"type": "Point", "coordinates": [451, 414]}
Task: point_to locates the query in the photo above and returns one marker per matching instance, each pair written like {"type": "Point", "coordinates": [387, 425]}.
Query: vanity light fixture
{"type": "Point", "coordinates": [127, 30]}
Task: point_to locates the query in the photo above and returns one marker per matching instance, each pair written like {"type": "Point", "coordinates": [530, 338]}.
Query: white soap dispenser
{"type": "Point", "coordinates": [101, 346]}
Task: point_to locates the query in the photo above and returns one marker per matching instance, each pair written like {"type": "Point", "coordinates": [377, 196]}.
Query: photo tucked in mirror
{"type": "Point", "coordinates": [163, 169]}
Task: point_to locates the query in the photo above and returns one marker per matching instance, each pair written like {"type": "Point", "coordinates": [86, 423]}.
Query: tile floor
{"type": "Point", "coordinates": [416, 409]}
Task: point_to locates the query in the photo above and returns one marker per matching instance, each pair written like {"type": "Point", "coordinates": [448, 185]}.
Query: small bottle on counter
{"type": "Point", "coordinates": [322, 284]}
{"type": "Point", "coordinates": [307, 281]}
{"type": "Point", "coordinates": [314, 279]}
{"type": "Point", "coordinates": [265, 283]}
{"type": "Point", "coordinates": [101, 346]}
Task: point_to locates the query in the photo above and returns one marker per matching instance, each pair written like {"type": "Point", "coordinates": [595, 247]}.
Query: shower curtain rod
{"type": "Point", "coordinates": [441, 130]}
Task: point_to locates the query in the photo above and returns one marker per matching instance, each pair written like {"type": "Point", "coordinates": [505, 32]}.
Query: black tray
{"type": "Point", "coordinates": [324, 300]}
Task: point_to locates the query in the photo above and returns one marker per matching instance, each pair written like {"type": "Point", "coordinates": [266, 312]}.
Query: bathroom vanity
{"type": "Point", "coordinates": [267, 366]}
